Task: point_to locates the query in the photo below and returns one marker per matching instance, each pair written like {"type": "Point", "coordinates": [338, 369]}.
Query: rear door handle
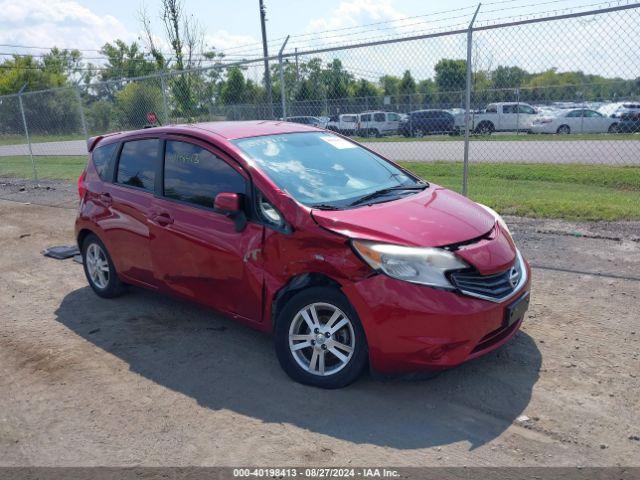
{"type": "Point", "coordinates": [106, 199]}
{"type": "Point", "coordinates": [162, 219]}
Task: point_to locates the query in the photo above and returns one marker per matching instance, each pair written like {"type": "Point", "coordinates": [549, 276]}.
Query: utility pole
{"type": "Point", "coordinates": [265, 53]}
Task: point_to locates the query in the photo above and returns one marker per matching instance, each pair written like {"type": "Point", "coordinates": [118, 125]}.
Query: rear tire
{"type": "Point", "coordinates": [613, 128]}
{"type": "Point", "coordinates": [99, 269]}
{"type": "Point", "coordinates": [309, 347]}
{"type": "Point", "coordinates": [485, 128]}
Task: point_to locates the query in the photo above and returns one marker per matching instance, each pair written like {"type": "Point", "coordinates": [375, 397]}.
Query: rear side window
{"type": "Point", "coordinates": [102, 158]}
{"type": "Point", "coordinates": [365, 118]}
{"type": "Point", "coordinates": [137, 164]}
{"type": "Point", "coordinates": [195, 175]}
{"type": "Point", "coordinates": [379, 117]}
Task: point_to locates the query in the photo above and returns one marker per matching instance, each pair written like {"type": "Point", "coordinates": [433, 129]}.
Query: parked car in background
{"type": "Point", "coordinates": [629, 123]}
{"type": "Point", "coordinates": [580, 120]}
{"type": "Point", "coordinates": [614, 110]}
{"type": "Point", "coordinates": [345, 123]}
{"type": "Point", "coordinates": [345, 258]}
{"type": "Point", "coordinates": [500, 117]}
{"type": "Point", "coordinates": [424, 122]}
{"type": "Point", "coordinates": [378, 123]}
{"type": "Point", "coordinates": [307, 120]}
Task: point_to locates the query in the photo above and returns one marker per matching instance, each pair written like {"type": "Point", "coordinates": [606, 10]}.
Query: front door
{"type": "Point", "coordinates": [198, 252]}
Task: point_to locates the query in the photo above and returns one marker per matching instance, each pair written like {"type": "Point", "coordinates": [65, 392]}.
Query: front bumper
{"type": "Point", "coordinates": [412, 327]}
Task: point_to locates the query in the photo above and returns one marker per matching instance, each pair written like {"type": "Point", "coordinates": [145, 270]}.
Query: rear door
{"type": "Point", "coordinates": [130, 198]}
{"type": "Point", "coordinates": [198, 252]}
{"type": "Point", "coordinates": [508, 120]}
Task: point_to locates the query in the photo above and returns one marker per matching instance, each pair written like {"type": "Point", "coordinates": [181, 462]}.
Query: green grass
{"type": "Point", "coordinates": [22, 140]}
{"type": "Point", "coordinates": [572, 192]}
{"type": "Point", "coordinates": [55, 168]}
{"type": "Point", "coordinates": [507, 137]}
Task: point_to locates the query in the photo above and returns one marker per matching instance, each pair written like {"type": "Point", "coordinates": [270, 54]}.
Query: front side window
{"type": "Point", "coordinates": [318, 168]}
{"type": "Point", "coordinates": [195, 175]}
{"type": "Point", "coordinates": [526, 109]}
{"type": "Point", "coordinates": [102, 158]}
{"type": "Point", "coordinates": [137, 164]}
{"type": "Point", "coordinates": [574, 114]}
{"type": "Point", "coordinates": [394, 117]}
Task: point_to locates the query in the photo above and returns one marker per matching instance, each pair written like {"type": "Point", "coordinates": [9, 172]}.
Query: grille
{"type": "Point", "coordinates": [495, 287]}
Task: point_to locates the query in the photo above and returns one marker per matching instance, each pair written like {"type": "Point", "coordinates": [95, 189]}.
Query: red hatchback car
{"type": "Point", "coordinates": [345, 256]}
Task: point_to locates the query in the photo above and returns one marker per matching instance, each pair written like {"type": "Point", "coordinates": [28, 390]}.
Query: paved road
{"type": "Point", "coordinates": [614, 152]}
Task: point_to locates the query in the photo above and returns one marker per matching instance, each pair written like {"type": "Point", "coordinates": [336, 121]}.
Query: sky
{"type": "Point", "coordinates": [234, 28]}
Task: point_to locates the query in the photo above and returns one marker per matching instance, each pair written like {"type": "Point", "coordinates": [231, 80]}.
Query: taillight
{"type": "Point", "coordinates": [82, 188]}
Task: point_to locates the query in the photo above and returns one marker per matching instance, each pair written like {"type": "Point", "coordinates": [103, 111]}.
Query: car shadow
{"type": "Point", "coordinates": [223, 365]}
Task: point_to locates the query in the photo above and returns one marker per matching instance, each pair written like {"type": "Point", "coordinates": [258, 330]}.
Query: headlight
{"type": "Point", "coordinates": [498, 218]}
{"type": "Point", "coordinates": [426, 266]}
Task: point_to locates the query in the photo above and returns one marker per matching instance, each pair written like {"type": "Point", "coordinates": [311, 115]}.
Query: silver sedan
{"type": "Point", "coordinates": [575, 121]}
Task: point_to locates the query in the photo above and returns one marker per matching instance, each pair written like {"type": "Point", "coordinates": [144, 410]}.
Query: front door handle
{"type": "Point", "coordinates": [162, 219]}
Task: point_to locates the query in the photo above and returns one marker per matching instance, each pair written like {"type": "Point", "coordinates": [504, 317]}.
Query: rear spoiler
{"type": "Point", "coordinates": [93, 141]}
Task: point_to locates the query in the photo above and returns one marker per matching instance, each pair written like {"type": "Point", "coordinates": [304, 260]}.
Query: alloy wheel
{"type": "Point", "coordinates": [97, 266]}
{"type": "Point", "coordinates": [321, 339]}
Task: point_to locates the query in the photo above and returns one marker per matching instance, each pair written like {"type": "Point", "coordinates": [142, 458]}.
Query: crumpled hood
{"type": "Point", "coordinates": [432, 218]}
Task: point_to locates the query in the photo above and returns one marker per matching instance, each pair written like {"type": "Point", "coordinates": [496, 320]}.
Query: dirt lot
{"type": "Point", "coordinates": [148, 380]}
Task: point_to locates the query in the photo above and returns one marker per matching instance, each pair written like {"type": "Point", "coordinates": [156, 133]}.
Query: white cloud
{"type": "Point", "coordinates": [351, 13]}
{"type": "Point", "coordinates": [223, 40]}
{"type": "Point", "coordinates": [65, 23]}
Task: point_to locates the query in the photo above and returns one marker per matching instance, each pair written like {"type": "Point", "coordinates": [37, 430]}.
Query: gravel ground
{"type": "Point", "coordinates": [149, 380]}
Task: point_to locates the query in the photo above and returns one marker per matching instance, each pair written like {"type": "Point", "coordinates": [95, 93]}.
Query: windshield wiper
{"type": "Point", "coordinates": [324, 206]}
{"type": "Point", "coordinates": [384, 191]}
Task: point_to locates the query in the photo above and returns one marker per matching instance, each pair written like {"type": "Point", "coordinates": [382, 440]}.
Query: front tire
{"type": "Point", "coordinates": [319, 339]}
{"type": "Point", "coordinates": [563, 130]}
{"type": "Point", "coordinates": [99, 269]}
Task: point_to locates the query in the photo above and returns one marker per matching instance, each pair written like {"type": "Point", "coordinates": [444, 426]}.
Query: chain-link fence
{"type": "Point", "coordinates": [478, 98]}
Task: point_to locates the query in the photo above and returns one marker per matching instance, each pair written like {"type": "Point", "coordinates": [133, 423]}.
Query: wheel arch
{"type": "Point", "coordinates": [296, 284]}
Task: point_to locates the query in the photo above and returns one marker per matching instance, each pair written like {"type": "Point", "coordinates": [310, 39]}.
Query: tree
{"type": "Point", "coordinates": [407, 85]}
{"type": "Point", "coordinates": [133, 103]}
{"type": "Point", "coordinates": [450, 75]}
{"type": "Point", "coordinates": [125, 61]}
{"type": "Point", "coordinates": [390, 84]}
{"type": "Point", "coordinates": [233, 90]}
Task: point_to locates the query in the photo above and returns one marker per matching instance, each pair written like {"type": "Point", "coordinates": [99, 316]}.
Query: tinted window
{"type": "Point", "coordinates": [592, 113]}
{"type": "Point", "coordinates": [394, 117]}
{"type": "Point", "coordinates": [365, 118]}
{"type": "Point", "coordinates": [195, 175]}
{"type": "Point", "coordinates": [379, 117]}
{"type": "Point", "coordinates": [492, 109]}
{"type": "Point", "coordinates": [137, 163]}
{"type": "Point", "coordinates": [575, 113]}
{"type": "Point", "coordinates": [508, 109]}
{"type": "Point", "coordinates": [102, 158]}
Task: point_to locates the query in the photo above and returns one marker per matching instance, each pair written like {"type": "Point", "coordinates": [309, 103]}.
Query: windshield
{"type": "Point", "coordinates": [318, 168]}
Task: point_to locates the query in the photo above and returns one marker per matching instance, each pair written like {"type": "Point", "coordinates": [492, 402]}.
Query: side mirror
{"type": "Point", "coordinates": [226, 202]}
{"type": "Point", "coordinates": [230, 205]}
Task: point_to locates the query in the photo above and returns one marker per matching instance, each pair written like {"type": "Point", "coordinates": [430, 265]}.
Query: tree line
{"type": "Point", "coordinates": [187, 92]}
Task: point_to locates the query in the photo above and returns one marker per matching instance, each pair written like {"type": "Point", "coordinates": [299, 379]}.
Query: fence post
{"type": "Point", "coordinates": [26, 132]}
{"type": "Point", "coordinates": [282, 89]}
{"type": "Point", "coordinates": [467, 104]}
{"type": "Point", "coordinates": [163, 85]}
{"type": "Point", "coordinates": [83, 120]}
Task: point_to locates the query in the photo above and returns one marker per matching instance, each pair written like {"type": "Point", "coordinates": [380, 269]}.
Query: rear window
{"type": "Point", "coordinates": [102, 158]}
{"type": "Point", "coordinates": [137, 164]}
